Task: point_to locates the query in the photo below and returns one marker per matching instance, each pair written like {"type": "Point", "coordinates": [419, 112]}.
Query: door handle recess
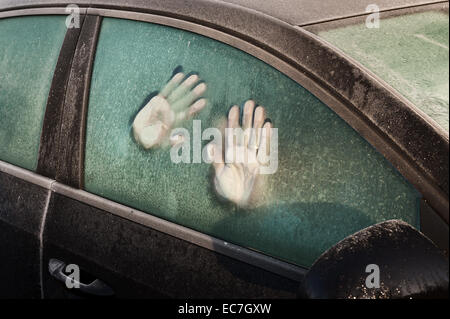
{"type": "Point", "coordinates": [97, 287]}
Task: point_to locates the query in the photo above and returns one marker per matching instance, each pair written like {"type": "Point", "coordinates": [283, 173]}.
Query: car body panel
{"type": "Point", "coordinates": [155, 260]}
{"type": "Point", "coordinates": [22, 207]}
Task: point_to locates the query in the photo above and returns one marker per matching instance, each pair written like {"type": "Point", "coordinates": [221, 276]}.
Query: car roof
{"type": "Point", "coordinates": [294, 12]}
{"type": "Point", "coordinates": [305, 12]}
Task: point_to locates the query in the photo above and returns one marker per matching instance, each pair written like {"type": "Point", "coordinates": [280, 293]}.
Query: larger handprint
{"type": "Point", "coordinates": [176, 102]}
{"type": "Point", "coordinates": [237, 168]}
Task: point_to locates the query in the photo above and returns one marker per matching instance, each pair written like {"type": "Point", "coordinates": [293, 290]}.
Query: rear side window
{"type": "Point", "coordinates": [329, 181]}
{"type": "Point", "coordinates": [29, 49]}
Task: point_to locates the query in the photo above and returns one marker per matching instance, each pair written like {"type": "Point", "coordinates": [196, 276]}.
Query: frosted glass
{"type": "Point", "coordinates": [330, 181]}
{"type": "Point", "coordinates": [29, 50]}
{"type": "Point", "coordinates": [409, 52]}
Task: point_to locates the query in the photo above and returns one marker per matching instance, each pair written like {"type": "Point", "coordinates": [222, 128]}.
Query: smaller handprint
{"type": "Point", "coordinates": [178, 101]}
{"type": "Point", "coordinates": [237, 167]}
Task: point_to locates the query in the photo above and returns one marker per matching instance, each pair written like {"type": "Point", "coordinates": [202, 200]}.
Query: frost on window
{"type": "Point", "coordinates": [328, 181]}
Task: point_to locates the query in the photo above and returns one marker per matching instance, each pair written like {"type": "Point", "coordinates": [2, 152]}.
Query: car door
{"type": "Point", "coordinates": [29, 51]}
{"type": "Point", "coordinates": [170, 266]}
{"type": "Point", "coordinates": [144, 226]}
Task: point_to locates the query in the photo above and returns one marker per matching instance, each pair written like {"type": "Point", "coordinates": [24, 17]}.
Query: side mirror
{"type": "Point", "coordinates": [388, 260]}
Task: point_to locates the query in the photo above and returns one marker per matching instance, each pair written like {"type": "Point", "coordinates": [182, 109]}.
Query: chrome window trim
{"type": "Point", "coordinates": [365, 14]}
{"type": "Point", "coordinates": [37, 11]}
{"type": "Point", "coordinates": [26, 175]}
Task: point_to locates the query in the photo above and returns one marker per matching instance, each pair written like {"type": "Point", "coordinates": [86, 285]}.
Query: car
{"type": "Point", "coordinates": [358, 96]}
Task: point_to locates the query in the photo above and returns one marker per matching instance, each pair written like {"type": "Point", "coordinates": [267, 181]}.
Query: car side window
{"type": "Point", "coordinates": [29, 50]}
{"type": "Point", "coordinates": [328, 182]}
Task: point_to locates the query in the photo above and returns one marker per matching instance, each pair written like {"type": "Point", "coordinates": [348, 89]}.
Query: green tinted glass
{"type": "Point", "coordinates": [409, 52]}
{"type": "Point", "coordinates": [29, 49]}
{"type": "Point", "coordinates": [330, 182]}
